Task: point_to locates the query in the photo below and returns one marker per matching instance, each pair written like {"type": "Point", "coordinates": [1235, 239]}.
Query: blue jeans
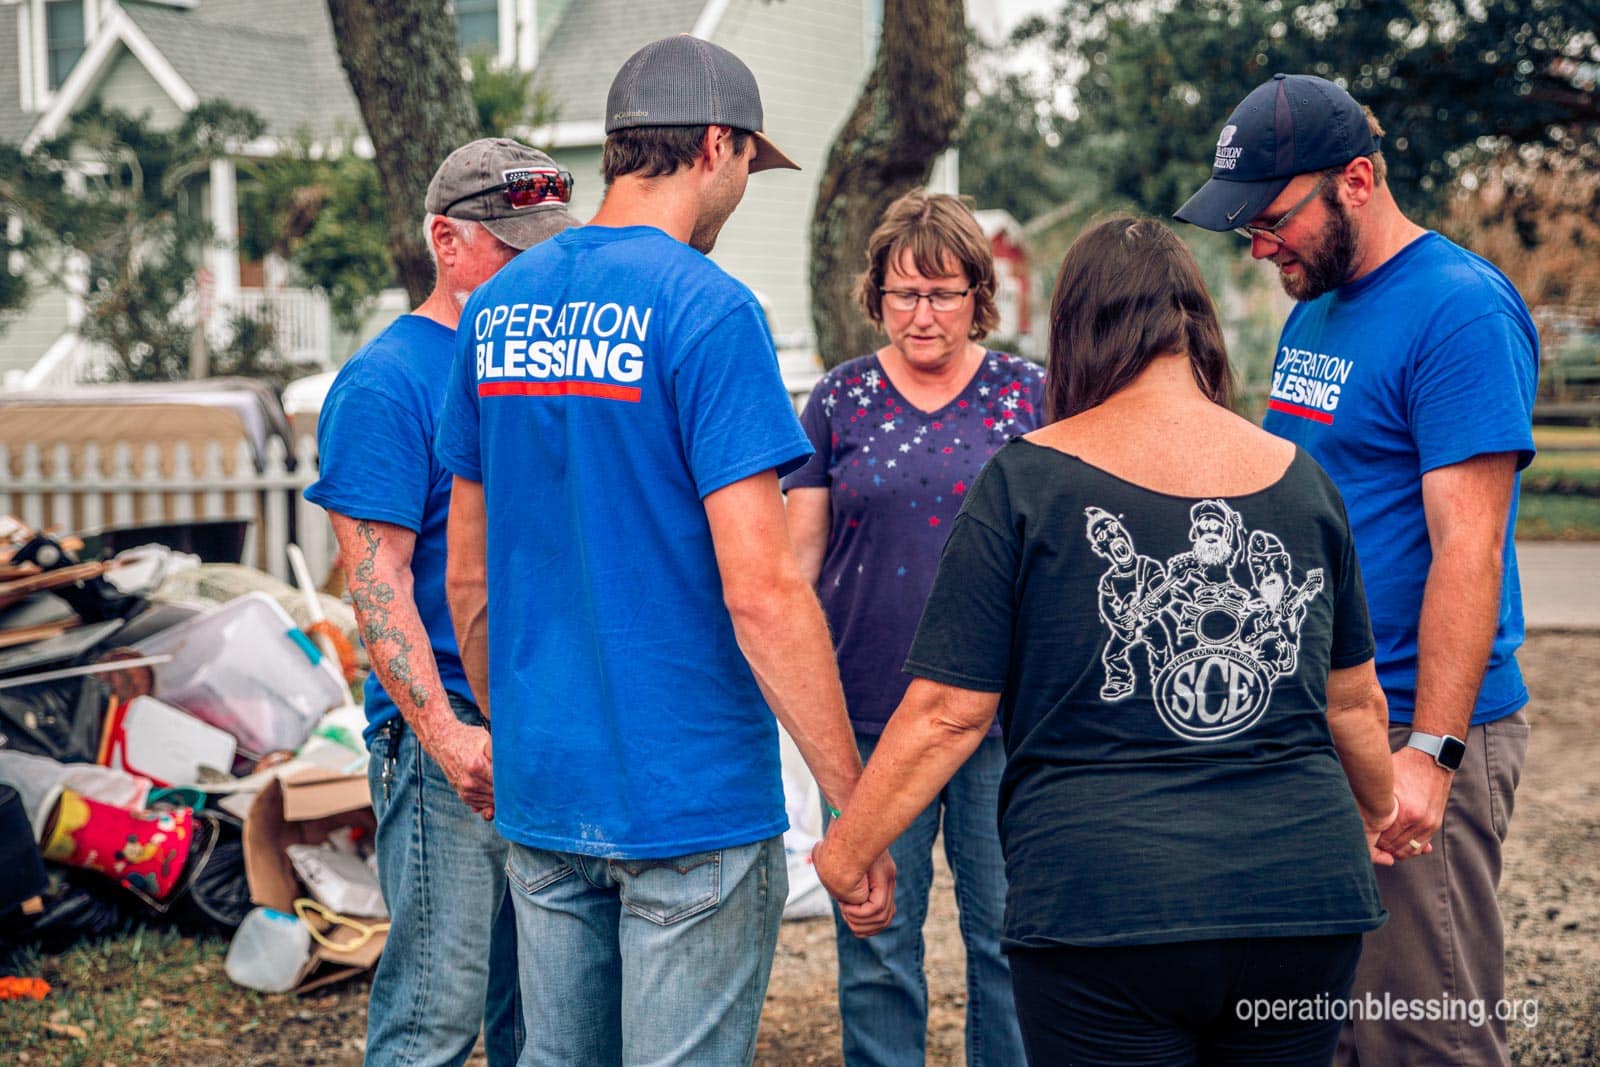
{"type": "Point", "coordinates": [646, 962]}
{"type": "Point", "coordinates": [450, 964]}
{"type": "Point", "coordinates": [883, 992]}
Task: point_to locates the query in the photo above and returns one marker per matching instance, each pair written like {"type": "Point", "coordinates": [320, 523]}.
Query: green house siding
{"type": "Point", "coordinates": [129, 87]}
{"type": "Point", "coordinates": [811, 61]}
{"type": "Point", "coordinates": [27, 335]}
{"type": "Point", "coordinates": [588, 187]}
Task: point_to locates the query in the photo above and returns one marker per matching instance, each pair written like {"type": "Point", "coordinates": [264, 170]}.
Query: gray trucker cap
{"type": "Point", "coordinates": [518, 193]}
{"type": "Point", "coordinates": [684, 81]}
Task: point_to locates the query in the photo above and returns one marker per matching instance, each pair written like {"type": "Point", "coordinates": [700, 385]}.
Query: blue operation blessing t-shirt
{"type": "Point", "coordinates": [1427, 361]}
{"type": "Point", "coordinates": [605, 382]}
{"type": "Point", "coordinates": [376, 462]}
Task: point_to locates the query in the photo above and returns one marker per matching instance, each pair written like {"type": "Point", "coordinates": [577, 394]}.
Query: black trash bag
{"type": "Point", "coordinates": [94, 599]}
{"type": "Point", "coordinates": [61, 719]}
{"type": "Point", "coordinates": [22, 874]}
{"type": "Point", "coordinates": [77, 905]}
{"type": "Point", "coordinates": [212, 894]}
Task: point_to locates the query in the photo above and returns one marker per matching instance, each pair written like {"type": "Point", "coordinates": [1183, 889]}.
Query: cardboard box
{"type": "Point", "coordinates": [317, 793]}
{"type": "Point", "coordinates": [304, 810]}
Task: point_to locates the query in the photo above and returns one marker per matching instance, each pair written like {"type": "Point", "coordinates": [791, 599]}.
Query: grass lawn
{"type": "Point", "coordinates": [1561, 488]}
{"type": "Point", "coordinates": [142, 998]}
{"type": "Point", "coordinates": [1556, 517]}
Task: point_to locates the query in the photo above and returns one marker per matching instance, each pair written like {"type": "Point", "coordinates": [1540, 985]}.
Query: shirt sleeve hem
{"type": "Point", "coordinates": [776, 458]}
{"type": "Point", "coordinates": [799, 480]}
{"type": "Point", "coordinates": [1522, 446]}
{"type": "Point", "coordinates": [1352, 659]}
{"type": "Point", "coordinates": [460, 468]}
{"type": "Point", "coordinates": [954, 678]}
{"type": "Point", "coordinates": [366, 512]}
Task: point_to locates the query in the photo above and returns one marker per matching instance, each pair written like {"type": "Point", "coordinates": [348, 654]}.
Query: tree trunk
{"type": "Point", "coordinates": [906, 116]}
{"type": "Point", "coordinates": [404, 66]}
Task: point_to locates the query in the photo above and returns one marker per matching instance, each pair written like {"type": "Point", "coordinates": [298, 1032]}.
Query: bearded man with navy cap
{"type": "Point", "coordinates": [1407, 369]}
{"type": "Point", "coordinates": [620, 570]}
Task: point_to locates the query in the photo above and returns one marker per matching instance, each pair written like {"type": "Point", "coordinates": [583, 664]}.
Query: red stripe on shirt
{"type": "Point", "coordinates": [604, 391]}
{"type": "Point", "coordinates": [1305, 413]}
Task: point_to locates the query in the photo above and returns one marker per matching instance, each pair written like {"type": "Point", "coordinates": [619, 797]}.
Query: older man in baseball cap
{"type": "Point", "coordinates": [617, 425]}
{"type": "Point", "coordinates": [1407, 370]}
{"type": "Point", "coordinates": [449, 965]}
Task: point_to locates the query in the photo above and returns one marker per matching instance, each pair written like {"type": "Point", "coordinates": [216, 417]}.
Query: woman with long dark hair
{"type": "Point", "coordinates": [1163, 604]}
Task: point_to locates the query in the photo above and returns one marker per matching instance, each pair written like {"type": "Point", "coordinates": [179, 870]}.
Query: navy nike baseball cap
{"type": "Point", "coordinates": [1293, 124]}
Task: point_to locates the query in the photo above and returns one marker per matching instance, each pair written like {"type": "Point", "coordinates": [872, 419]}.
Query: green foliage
{"type": "Point", "coordinates": [120, 197]}
{"type": "Point", "coordinates": [1012, 152]}
{"type": "Point", "coordinates": [1454, 81]}
{"type": "Point", "coordinates": [324, 212]}
{"type": "Point", "coordinates": [505, 99]}
{"type": "Point", "coordinates": [325, 215]}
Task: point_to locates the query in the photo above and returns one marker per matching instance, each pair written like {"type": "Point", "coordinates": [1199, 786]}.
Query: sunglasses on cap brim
{"type": "Point", "coordinates": [526, 188]}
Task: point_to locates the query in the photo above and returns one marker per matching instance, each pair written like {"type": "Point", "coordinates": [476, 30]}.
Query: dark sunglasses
{"type": "Point", "coordinates": [526, 188]}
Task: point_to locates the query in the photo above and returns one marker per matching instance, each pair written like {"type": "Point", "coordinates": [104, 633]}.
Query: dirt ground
{"type": "Point", "coordinates": [1550, 892]}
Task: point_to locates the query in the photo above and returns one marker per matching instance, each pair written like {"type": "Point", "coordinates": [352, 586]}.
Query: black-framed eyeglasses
{"type": "Point", "coordinates": [1250, 233]}
{"type": "Point", "coordinates": [525, 188]}
{"type": "Point", "coordinates": [939, 300]}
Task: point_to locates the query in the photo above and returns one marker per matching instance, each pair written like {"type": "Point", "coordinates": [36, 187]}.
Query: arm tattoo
{"type": "Point", "coordinates": [373, 599]}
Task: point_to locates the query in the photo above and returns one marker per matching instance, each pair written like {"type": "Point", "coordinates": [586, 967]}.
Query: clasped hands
{"type": "Point", "coordinates": [1421, 791]}
{"type": "Point", "coordinates": [465, 756]}
{"type": "Point", "coordinates": [866, 897]}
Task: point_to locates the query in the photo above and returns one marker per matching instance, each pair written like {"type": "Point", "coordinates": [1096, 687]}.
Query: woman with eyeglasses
{"type": "Point", "coordinates": [900, 434]}
{"type": "Point", "coordinates": [1163, 604]}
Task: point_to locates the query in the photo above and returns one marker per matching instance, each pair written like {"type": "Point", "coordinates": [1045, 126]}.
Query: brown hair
{"type": "Point", "coordinates": [1380, 166]}
{"type": "Point", "coordinates": [1129, 290]}
{"type": "Point", "coordinates": [934, 228]}
{"type": "Point", "coordinates": [656, 151]}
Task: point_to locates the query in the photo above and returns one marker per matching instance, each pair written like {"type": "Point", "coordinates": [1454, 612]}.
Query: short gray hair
{"type": "Point", "coordinates": [466, 230]}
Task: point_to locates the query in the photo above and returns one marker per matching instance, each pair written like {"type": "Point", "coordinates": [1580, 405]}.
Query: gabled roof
{"type": "Point", "coordinates": [222, 51]}
{"type": "Point", "coordinates": [246, 54]}
{"type": "Point", "coordinates": [278, 58]}
{"type": "Point", "coordinates": [589, 46]}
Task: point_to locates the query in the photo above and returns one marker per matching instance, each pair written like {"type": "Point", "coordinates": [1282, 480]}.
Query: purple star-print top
{"type": "Point", "coordinates": [896, 476]}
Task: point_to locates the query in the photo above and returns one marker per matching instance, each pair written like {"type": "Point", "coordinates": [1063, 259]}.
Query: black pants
{"type": "Point", "coordinates": [1195, 1002]}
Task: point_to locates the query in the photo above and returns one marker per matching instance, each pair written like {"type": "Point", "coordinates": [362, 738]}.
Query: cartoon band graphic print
{"type": "Point", "coordinates": [1212, 646]}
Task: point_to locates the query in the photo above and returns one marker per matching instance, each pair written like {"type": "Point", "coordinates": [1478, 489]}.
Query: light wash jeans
{"type": "Point", "coordinates": [450, 963]}
{"type": "Point", "coordinates": [646, 962]}
{"type": "Point", "coordinates": [883, 992]}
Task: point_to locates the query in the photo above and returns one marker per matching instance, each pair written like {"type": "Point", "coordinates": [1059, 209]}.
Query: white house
{"type": "Point", "coordinates": [277, 57]}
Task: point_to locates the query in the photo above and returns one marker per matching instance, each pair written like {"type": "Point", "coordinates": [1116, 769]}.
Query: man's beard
{"type": "Point", "coordinates": [1331, 263]}
{"type": "Point", "coordinates": [1212, 553]}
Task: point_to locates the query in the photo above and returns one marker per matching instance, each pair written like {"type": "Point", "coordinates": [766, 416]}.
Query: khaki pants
{"type": "Point", "coordinates": [1444, 944]}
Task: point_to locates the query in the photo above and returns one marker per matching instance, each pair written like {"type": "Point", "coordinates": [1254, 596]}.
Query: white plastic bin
{"type": "Point", "coordinates": [244, 667]}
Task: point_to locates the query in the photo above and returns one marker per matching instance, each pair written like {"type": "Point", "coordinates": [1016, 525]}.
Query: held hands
{"type": "Point", "coordinates": [1374, 829]}
{"type": "Point", "coordinates": [866, 899]}
{"type": "Point", "coordinates": [1421, 790]}
{"type": "Point", "coordinates": [464, 755]}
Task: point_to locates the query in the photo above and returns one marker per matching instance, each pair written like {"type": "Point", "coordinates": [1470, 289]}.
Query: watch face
{"type": "Point", "coordinates": [1451, 749]}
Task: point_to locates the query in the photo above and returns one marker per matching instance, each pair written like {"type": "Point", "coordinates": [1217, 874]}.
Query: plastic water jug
{"type": "Point", "coordinates": [269, 951]}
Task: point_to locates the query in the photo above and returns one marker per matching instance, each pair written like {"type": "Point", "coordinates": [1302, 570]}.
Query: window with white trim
{"type": "Point", "coordinates": [478, 25]}
{"type": "Point", "coordinates": [65, 37]}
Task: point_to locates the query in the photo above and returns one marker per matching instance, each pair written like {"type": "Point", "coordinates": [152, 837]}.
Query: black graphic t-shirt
{"type": "Point", "coordinates": [1163, 666]}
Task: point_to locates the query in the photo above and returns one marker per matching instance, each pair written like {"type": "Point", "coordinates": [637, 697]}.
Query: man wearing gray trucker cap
{"type": "Point", "coordinates": [620, 569]}
{"type": "Point", "coordinates": [1407, 370]}
{"type": "Point", "coordinates": [450, 962]}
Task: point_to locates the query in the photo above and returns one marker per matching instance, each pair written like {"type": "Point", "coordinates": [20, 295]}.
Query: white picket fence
{"type": "Point", "coordinates": [128, 485]}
